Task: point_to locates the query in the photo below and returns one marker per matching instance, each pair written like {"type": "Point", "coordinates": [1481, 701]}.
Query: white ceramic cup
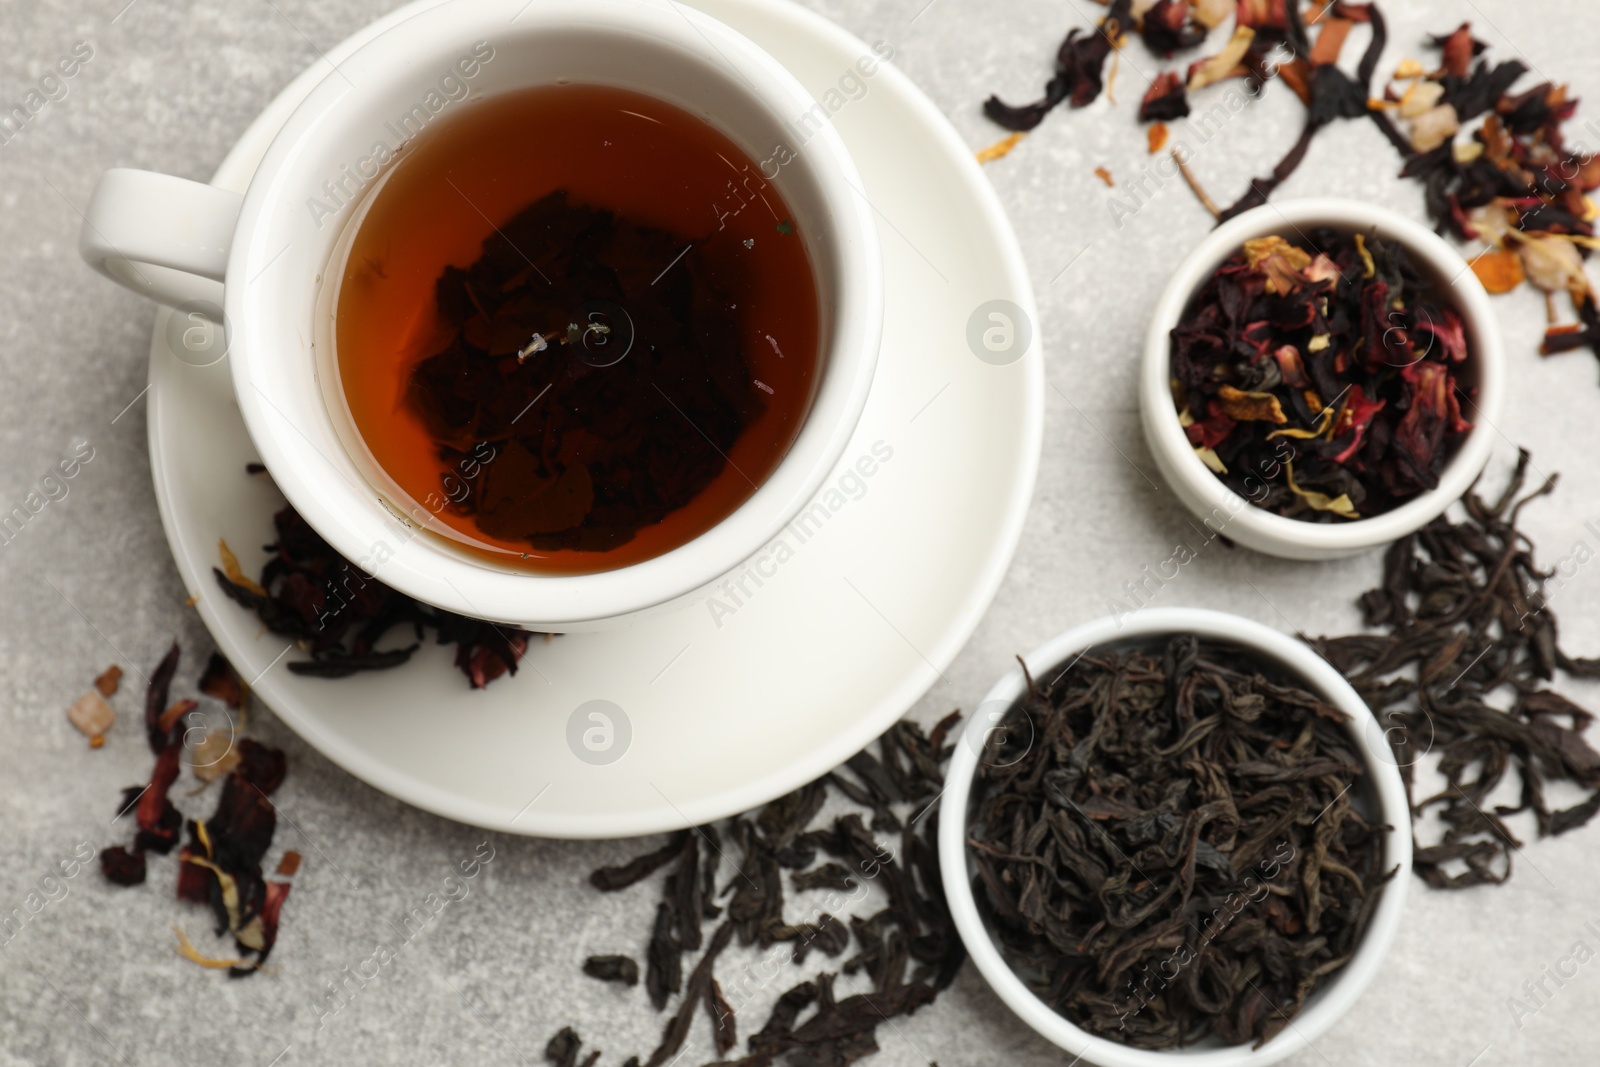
{"type": "Point", "coordinates": [277, 249]}
{"type": "Point", "coordinates": [1206, 495]}
{"type": "Point", "coordinates": [1383, 793]}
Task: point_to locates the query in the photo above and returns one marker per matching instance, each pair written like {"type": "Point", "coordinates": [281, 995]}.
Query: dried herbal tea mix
{"type": "Point", "coordinates": [338, 613]}
{"type": "Point", "coordinates": [724, 889]}
{"type": "Point", "coordinates": [1321, 378]}
{"type": "Point", "coordinates": [220, 865]}
{"type": "Point", "coordinates": [1170, 845]}
{"type": "Point", "coordinates": [581, 318]}
{"type": "Point", "coordinates": [1457, 678]}
{"type": "Point", "coordinates": [1493, 158]}
{"type": "Point", "coordinates": [1511, 182]}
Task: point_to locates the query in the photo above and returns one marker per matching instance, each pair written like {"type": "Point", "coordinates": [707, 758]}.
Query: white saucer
{"type": "Point", "coordinates": [726, 704]}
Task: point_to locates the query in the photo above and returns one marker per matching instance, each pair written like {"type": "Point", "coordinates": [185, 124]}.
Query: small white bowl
{"type": "Point", "coordinates": [1383, 787]}
{"type": "Point", "coordinates": [1206, 495]}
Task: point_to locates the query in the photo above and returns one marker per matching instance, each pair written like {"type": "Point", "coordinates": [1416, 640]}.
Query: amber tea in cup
{"type": "Point", "coordinates": [576, 328]}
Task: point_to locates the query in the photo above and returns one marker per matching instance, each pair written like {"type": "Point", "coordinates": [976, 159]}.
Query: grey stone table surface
{"type": "Point", "coordinates": [87, 972]}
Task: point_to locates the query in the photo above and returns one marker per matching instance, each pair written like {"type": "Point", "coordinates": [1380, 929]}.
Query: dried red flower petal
{"type": "Point", "coordinates": [1459, 49]}
{"type": "Point", "coordinates": [122, 867]}
{"type": "Point", "coordinates": [1448, 330]}
{"type": "Point", "coordinates": [155, 699]}
{"type": "Point", "coordinates": [157, 819]}
{"type": "Point", "coordinates": [1354, 418]}
{"type": "Point", "coordinates": [1079, 63]}
{"type": "Point", "coordinates": [1421, 431]}
{"type": "Point", "coordinates": [1212, 430]}
{"type": "Point", "coordinates": [1169, 26]}
{"type": "Point", "coordinates": [1166, 100]}
{"type": "Point", "coordinates": [1263, 14]}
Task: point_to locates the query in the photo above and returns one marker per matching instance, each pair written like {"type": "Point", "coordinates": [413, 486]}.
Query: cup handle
{"type": "Point", "coordinates": [163, 237]}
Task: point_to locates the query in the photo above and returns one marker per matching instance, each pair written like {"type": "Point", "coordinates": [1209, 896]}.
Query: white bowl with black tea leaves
{"type": "Point", "coordinates": [1019, 766]}
{"type": "Point", "coordinates": [1240, 496]}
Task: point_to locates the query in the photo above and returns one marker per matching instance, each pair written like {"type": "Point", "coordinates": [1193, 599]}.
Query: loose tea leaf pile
{"type": "Point", "coordinates": [1510, 180]}
{"type": "Point", "coordinates": [1513, 182]}
{"type": "Point", "coordinates": [1168, 844]}
{"type": "Point", "coordinates": [906, 953]}
{"type": "Point", "coordinates": [220, 866]}
{"type": "Point", "coordinates": [1468, 642]}
{"type": "Point", "coordinates": [1318, 377]}
{"type": "Point", "coordinates": [587, 450]}
{"type": "Point", "coordinates": [338, 613]}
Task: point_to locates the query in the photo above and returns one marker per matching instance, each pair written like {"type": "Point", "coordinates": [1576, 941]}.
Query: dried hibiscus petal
{"type": "Point", "coordinates": [1077, 80]}
{"type": "Point", "coordinates": [1166, 100]}
{"type": "Point", "coordinates": [1168, 26]}
{"type": "Point", "coordinates": [121, 866]}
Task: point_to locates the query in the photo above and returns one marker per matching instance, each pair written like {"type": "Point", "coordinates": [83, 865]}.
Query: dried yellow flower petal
{"type": "Point", "coordinates": [235, 574]}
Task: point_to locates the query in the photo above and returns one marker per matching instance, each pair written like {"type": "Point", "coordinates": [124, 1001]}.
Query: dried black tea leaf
{"type": "Point", "coordinates": [620, 969]}
{"type": "Point", "coordinates": [908, 949]}
{"type": "Point", "coordinates": [1456, 673]}
{"type": "Point", "coordinates": [339, 614]}
{"type": "Point", "coordinates": [1174, 849]}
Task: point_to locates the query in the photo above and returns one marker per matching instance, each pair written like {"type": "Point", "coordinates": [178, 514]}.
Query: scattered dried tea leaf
{"type": "Point", "coordinates": [1156, 137]}
{"type": "Point", "coordinates": [175, 712]}
{"type": "Point", "coordinates": [1105, 176]}
{"type": "Point", "coordinates": [1078, 69]}
{"type": "Point", "coordinates": [122, 867]}
{"type": "Point", "coordinates": [107, 680]}
{"type": "Point", "coordinates": [620, 969]}
{"type": "Point", "coordinates": [339, 613]}
{"type": "Point", "coordinates": [1001, 148]}
{"type": "Point", "coordinates": [908, 951]}
{"type": "Point", "coordinates": [1465, 641]}
{"type": "Point", "coordinates": [1166, 99]}
{"type": "Point", "coordinates": [1175, 811]}
{"type": "Point", "coordinates": [1499, 269]}
{"type": "Point", "coordinates": [91, 715]}
{"type": "Point", "coordinates": [288, 864]}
